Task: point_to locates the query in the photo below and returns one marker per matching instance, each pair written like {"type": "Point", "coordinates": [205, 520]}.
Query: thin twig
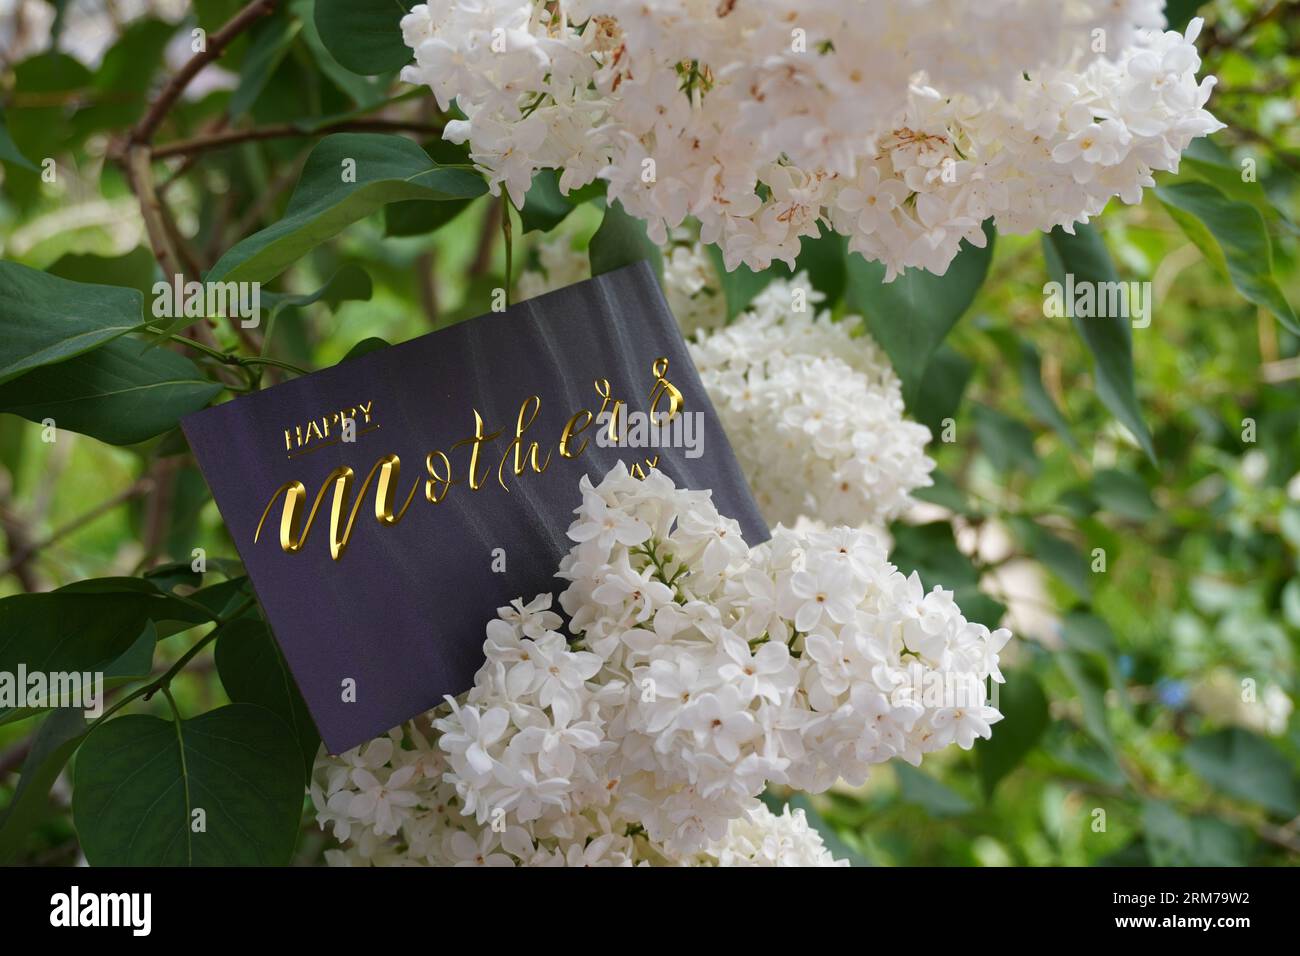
{"type": "Point", "coordinates": [141, 487]}
{"type": "Point", "coordinates": [143, 132]}
{"type": "Point", "coordinates": [232, 137]}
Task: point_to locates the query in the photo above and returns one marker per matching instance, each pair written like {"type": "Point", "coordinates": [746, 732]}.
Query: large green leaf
{"type": "Point", "coordinates": [1059, 555]}
{"type": "Point", "coordinates": [140, 780]}
{"type": "Point", "coordinates": [1006, 442]}
{"type": "Point", "coordinates": [1246, 766]}
{"type": "Point", "coordinates": [1233, 236]}
{"type": "Point", "coordinates": [920, 789]}
{"type": "Point", "coordinates": [1173, 839]}
{"type": "Point", "coordinates": [54, 743]}
{"type": "Point", "coordinates": [271, 41]}
{"type": "Point", "coordinates": [121, 393]}
{"type": "Point", "coordinates": [911, 316]}
{"type": "Point", "coordinates": [253, 671]}
{"type": "Point", "coordinates": [1110, 340]}
{"type": "Point", "coordinates": [1178, 12]}
{"type": "Point", "coordinates": [9, 151]}
{"type": "Point", "coordinates": [45, 319]}
{"type": "Point", "coordinates": [366, 91]}
{"type": "Point", "coordinates": [1035, 394]}
{"type": "Point", "coordinates": [545, 207]}
{"type": "Point", "coordinates": [387, 169]}
{"type": "Point", "coordinates": [942, 388]}
{"type": "Point", "coordinates": [620, 241]}
{"type": "Point", "coordinates": [1123, 493]}
{"type": "Point", "coordinates": [1024, 718]}
{"type": "Point", "coordinates": [364, 35]}
{"type": "Point", "coordinates": [85, 631]}
{"type": "Point", "coordinates": [136, 269]}
{"type": "Point", "coordinates": [1090, 681]}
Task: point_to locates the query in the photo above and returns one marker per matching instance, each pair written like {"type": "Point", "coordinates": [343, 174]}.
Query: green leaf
{"type": "Point", "coordinates": [1245, 766]}
{"type": "Point", "coordinates": [1088, 634]}
{"type": "Point", "coordinates": [388, 169]}
{"type": "Point", "coordinates": [366, 91]}
{"type": "Point", "coordinates": [1205, 160]}
{"type": "Point", "coordinates": [45, 319]}
{"type": "Point", "coordinates": [1024, 719]}
{"type": "Point", "coordinates": [1177, 840]}
{"type": "Point", "coordinates": [365, 35]}
{"type": "Point", "coordinates": [741, 284]}
{"type": "Point", "coordinates": [85, 632]}
{"type": "Point", "coordinates": [270, 42]}
{"type": "Point", "coordinates": [416, 217]}
{"type": "Point", "coordinates": [1090, 683]}
{"type": "Point", "coordinates": [253, 671]}
{"type": "Point", "coordinates": [1240, 246]}
{"type": "Point", "coordinates": [134, 270]}
{"type": "Point", "coordinates": [942, 387]}
{"type": "Point", "coordinates": [1039, 403]}
{"type": "Point", "coordinates": [919, 788]}
{"type": "Point", "coordinates": [1110, 340]}
{"type": "Point", "coordinates": [911, 316]}
{"type": "Point", "coordinates": [350, 284]}
{"type": "Point", "coordinates": [52, 746]}
{"type": "Point", "coordinates": [825, 259]}
{"type": "Point", "coordinates": [121, 393]}
{"type": "Point", "coordinates": [1059, 555]}
{"type": "Point", "coordinates": [1007, 443]}
{"type": "Point", "coordinates": [139, 780]}
{"type": "Point", "coordinates": [545, 207]}
{"type": "Point", "coordinates": [620, 241]}
{"type": "Point", "coordinates": [9, 152]}
{"type": "Point", "coordinates": [1179, 12]}
{"type": "Point", "coordinates": [365, 346]}
{"type": "Point", "coordinates": [1123, 493]}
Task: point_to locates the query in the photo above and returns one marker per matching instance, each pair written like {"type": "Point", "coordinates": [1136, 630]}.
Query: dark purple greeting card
{"type": "Point", "coordinates": [384, 508]}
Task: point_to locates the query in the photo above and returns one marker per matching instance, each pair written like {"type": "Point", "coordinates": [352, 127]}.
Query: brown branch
{"type": "Point", "coordinates": [143, 132]}
{"type": "Point", "coordinates": [233, 137]}
{"type": "Point", "coordinates": [140, 176]}
{"type": "Point", "coordinates": [20, 557]}
{"type": "Point", "coordinates": [487, 238]}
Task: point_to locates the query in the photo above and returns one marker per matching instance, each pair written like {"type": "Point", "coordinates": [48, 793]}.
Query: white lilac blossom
{"type": "Point", "coordinates": [813, 410]}
{"type": "Point", "coordinates": [700, 670]}
{"type": "Point", "coordinates": [902, 124]}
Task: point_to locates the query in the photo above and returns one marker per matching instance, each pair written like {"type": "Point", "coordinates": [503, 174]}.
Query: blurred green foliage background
{"type": "Point", "coordinates": [1149, 706]}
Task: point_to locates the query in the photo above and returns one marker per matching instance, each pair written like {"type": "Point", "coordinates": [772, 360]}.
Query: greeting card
{"type": "Point", "coordinates": [386, 507]}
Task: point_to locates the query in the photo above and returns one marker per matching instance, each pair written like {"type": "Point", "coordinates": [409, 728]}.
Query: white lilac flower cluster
{"type": "Point", "coordinates": [813, 411]}
{"type": "Point", "coordinates": [700, 670]}
{"type": "Point", "coordinates": [902, 124]}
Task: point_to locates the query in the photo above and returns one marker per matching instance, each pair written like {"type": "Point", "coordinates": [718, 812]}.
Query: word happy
{"type": "Point", "coordinates": [1100, 300]}
{"type": "Point", "coordinates": [75, 908]}
{"type": "Point", "coordinates": [518, 457]}
{"type": "Point", "coordinates": [317, 432]}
